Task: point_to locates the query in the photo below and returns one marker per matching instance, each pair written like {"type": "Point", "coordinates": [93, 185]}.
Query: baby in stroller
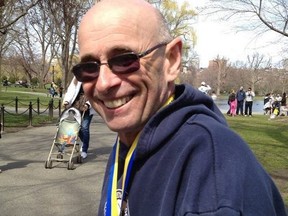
{"type": "Point", "coordinates": [66, 136]}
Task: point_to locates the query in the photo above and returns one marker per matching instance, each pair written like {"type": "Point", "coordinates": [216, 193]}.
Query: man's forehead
{"type": "Point", "coordinates": [104, 11]}
{"type": "Point", "coordinates": [104, 14]}
{"type": "Point", "coordinates": [116, 28]}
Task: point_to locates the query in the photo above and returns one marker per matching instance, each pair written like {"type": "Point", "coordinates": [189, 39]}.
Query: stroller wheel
{"type": "Point", "coordinates": [70, 165]}
{"type": "Point", "coordinates": [48, 164]}
{"type": "Point", "coordinates": [60, 156]}
{"type": "Point", "coordinates": [79, 159]}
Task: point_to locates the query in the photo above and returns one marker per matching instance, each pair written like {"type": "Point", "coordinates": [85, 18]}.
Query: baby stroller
{"type": "Point", "coordinates": [65, 139]}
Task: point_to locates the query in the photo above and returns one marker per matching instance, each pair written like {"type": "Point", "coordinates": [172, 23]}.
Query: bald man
{"type": "Point", "coordinates": [175, 154]}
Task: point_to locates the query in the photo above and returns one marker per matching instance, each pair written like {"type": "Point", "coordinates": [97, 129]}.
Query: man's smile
{"type": "Point", "coordinates": [112, 104]}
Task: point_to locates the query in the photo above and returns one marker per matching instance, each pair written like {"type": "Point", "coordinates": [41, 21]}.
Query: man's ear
{"type": "Point", "coordinates": [173, 59]}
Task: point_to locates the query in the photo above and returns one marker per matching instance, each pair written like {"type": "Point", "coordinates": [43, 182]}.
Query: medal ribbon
{"type": "Point", "coordinates": [112, 208]}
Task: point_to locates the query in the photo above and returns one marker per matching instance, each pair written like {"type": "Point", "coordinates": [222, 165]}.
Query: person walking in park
{"type": "Point", "coordinates": [75, 97]}
{"type": "Point", "coordinates": [175, 153]}
{"type": "Point", "coordinates": [52, 91]}
{"type": "Point", "coordinates": [240, 95]}
{"type": "Point", "coordinates": [60, 90]}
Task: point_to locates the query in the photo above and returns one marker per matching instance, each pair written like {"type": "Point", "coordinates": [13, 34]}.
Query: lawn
{"type": "Point", "coordinates": [39, 100]}
{"type": "Point", "coordinates": [24, 95]}
{"type": "Point", "coordinates": [268, 139]}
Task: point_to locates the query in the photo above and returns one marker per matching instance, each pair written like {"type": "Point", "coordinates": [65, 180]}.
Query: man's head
{"type": "Point", "coordinates": [129, 89]}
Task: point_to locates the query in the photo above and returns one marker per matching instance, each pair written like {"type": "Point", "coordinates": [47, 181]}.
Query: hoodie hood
{"type": "Point", "coordinates": [188, 104]}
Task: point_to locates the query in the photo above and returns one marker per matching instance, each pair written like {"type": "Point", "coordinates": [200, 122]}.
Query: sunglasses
{"type": "Point", "coordinates": [119, 64]}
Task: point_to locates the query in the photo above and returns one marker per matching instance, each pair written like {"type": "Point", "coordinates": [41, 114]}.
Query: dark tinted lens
{"type": "Point", "coordinates": [86, 71]}
{"type": "Point", "coordinates": [126, 63]}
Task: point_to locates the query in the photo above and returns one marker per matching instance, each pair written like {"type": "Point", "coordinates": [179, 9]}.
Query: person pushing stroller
{"type": "Point", "coordinates": [75, 97]}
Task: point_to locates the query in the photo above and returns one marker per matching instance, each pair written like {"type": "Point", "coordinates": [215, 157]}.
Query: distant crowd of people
{"type": "Point", "coordinates": [241, 102]}
{"type": "Point", "coordinates": [275, 105]}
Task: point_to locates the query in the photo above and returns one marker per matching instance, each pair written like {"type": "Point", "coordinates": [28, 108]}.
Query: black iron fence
{"type": "Point", "coordinates": [12, 108]}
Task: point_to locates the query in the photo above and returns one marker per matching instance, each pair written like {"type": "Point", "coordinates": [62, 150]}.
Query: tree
{"type": "Point", "coordinates": [255, 64]}
{"type": "Point", "coordinates": [257, 14]}
{"type": "Point", "coordinates": [7, 13]}
{"type": "Point", "coordinates": [180, 19]}
{"type": "Point", "coordinates": [220, 66]}
{"type": "Point", "coordinates": [236, 77]}
{"type": "Point", "coordinates": [36, 43]}
{"type": "Point", "coordinates": [66, 17]}
{"type": "Point", "coordinates": [10, 13]}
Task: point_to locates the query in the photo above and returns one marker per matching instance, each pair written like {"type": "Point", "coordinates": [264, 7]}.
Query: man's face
{"type": "Point", "coordinates": [125, 101]}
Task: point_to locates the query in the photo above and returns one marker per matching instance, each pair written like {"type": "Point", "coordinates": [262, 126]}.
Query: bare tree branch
{"type": "Point", "coordinates": [5, 27]}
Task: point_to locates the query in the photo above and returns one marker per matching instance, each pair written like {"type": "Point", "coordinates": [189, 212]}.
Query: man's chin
{"type": "Point", "coordinates": [122, 127]}
{"type": "Point", "coordinates": [115, 125]}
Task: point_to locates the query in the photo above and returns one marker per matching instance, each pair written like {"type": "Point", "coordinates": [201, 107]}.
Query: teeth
{"type": "Point", "coordinates": [116, 103]}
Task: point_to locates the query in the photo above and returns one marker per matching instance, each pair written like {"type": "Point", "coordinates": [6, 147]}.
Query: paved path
{"type": "Point", "coordinates": [28, 189]}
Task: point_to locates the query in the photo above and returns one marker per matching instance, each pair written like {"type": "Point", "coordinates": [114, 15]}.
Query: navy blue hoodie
{"type": "Point", "coordinates": [188, 162]}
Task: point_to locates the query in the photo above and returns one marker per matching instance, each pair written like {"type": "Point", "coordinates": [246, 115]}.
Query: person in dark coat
{"type": "Point", "coordinates": [174, 153]}
{"type": "Point", "coordinates": [240, 95]}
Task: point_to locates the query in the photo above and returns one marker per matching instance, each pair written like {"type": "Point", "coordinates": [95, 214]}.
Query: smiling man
{"type": "Point", "coordinates": [175, 154]}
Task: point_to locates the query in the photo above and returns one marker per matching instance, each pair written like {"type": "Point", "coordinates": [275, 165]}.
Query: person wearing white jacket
{"type": "Point", "coordinates": [249, 102]}
{"type": "Point", "coordinates": [73, 93]}
{"type": "Point", "coordinates": [205, 88]}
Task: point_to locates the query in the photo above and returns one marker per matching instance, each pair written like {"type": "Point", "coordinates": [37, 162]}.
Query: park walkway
{"type": "Point", "coordinates": [28, 189]}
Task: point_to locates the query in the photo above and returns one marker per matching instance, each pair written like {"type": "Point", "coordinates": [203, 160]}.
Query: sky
{"type": "Point", "coordinates": [217, 38]}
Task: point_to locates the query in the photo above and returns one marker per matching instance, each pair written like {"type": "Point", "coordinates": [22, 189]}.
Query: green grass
{"type": "Point", "coordinates": [12, 121]}
{"type": "Point", "coordinates": [24, 95]}
{"type": "Point", "coordinates": [268, 139]}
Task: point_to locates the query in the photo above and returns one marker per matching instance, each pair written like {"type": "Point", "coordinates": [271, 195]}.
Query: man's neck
{"type": "Point", "coordinates": [128, 138]}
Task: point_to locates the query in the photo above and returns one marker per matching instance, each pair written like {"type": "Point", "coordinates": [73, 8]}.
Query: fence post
{"type": "Point", "coordinates": [38, 106]}
{"type": "Point", "coordinates": [16, 105]}
{"type": "Point", "coordinates": [2, 117]}
{"type": "Point", "coordinates": [59, 108]}
{"type": "Point", "coordinates": [51, 108]}
{"type": "Point", "coordinates": [30, 114]}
